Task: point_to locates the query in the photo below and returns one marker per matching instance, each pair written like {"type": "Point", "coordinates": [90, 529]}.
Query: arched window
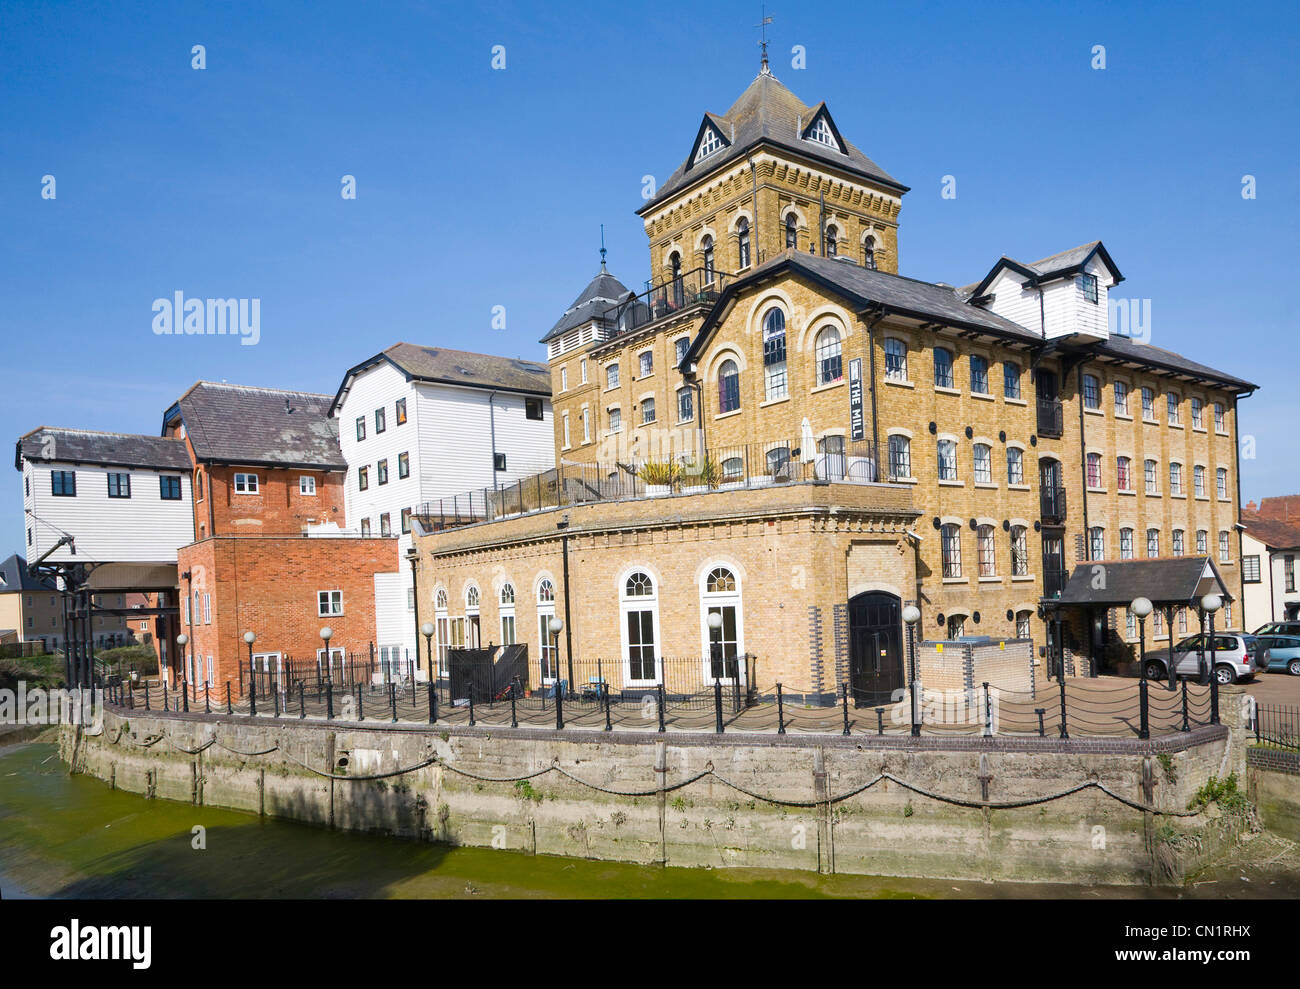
{"type": "Point", "coordinates": [742, 242]}
{"type": "Point", "coordinates": [1126, 544]}
{"type": "Point", "coordinates": [895, 359]}
{"type": "Point", "coordinates": [640, 612]}
{"type": "Point", "coordinates": [869, 252]}
{"type": "Point", "coordinates": [508, 636]}
{"type": "Point", "coordinates": [832, 242]}
{"type": "Point", "coordinates": [956, 626]}
{"type": "Point", "coordinates": [1096, 543]}
{"type": "Point", "coordinates": [733, 469]}
{"type": "Point", "coordinates": [778, 463]}
{"type": "Point", "coordinates": [984, 545]}
{"type": "Point", "coordinates": [728, 386]}
{"type": "Point", "coordinates": [900, 457]}
{"type": "Point", "coordinates": [707, 245]}
{"type": "Point", "coordinates": [440, 599]}
{"type": "Point", "coordinates": [950, 547]}
{"type": "Point", "coordinates": [1024, 627]}
{"type": "Point", "coordinates": [548, 651]}
{"type": "Point", "coordinates": [832, 464]}
{"type": "Point", "coordinates": [791, 230]}
{"type": "Point", "coordinates": [473, 639]}
{"type": "Point", "coordinates": [611, 376]}
{"type": "Point", "coordinates": [774, 353]}
{"type": "Point", "coordinates": [1153, 542]}
{"type": "Point", "coordinates": [721, 596]}
{"type": "Point", "coordinates": [1176, 543]}
{"type": "Point", "coordinates": [1093, 463]}
{"type": "Point", "coordinates": [471, 597]}
{"type": "Point", "coordinates": [443, 626]}
{"type": "Point", "coordinates": [830, 361]}
{"type": "Point", "coordinates": [1124, 473]}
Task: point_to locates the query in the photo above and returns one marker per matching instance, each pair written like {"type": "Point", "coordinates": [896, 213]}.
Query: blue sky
{"type": "Point", "coordinates": [479, 187]}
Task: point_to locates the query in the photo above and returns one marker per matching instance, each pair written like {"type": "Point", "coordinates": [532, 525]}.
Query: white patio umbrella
{"type": "Point", "coordinates": [807, 445]}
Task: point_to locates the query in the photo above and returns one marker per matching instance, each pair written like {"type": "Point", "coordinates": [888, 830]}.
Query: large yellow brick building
{"type": "Point", "coordinates": [959, 449]}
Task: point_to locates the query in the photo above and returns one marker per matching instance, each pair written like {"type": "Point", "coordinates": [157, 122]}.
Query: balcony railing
{"type": "Point", "coordinates": [1054, 582]}
{"type": "Point", "coordinates": [1052, 503]}
{"type": "Point", "coordinates": [691, 289]}
{"type": "Point", "coordinates": [1050, 418]}
{"type": "Point", "coordinates": [722, 468]}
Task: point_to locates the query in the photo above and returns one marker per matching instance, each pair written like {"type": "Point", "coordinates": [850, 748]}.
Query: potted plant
{"type": "Point", "coordinates": [701, 476]}
{"type": "Point", "coordinates": [659, 477]}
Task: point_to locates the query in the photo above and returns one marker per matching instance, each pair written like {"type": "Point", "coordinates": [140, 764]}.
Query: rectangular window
{"type": "Point", "coordinates": [403, 465]}
{"type": "Point", "coordinates": [1288, 573]}
{"type": "Point", "coordinates": [381, 471]}
{"type": "Point", "coordinates": [1196, 414]}
{"type": "Point", "coordinates": [119, 485]}
{"type": "Point", "coordinates": [1219, 424]}
{"type": "Point", "coordinates": [385, 525]}
{"type": "Point", "coordinates": [363, 478]}
{"type": "Point", "coordinates": [63, 483]}
{"type": "Point", "coordinates": [1153, 542]}
{"type": "Point", "coordinates": [1019, 552]}
{"type": "Point", "coordinates": [895, 359]}
{"type": "Point", "coordinates": [647, 411]}
{"type": "Point", "coordinates": [1015, 465]}
{"type": "Point", "coordinates": [582, 365]}
{"type": "Point", "coordinates": [1121, 398]}
{"type": "Point", "coordinates": [533, 409]}
{"type": "Point", "coordinates": [361, 427]}
{"type": "Point", "coordinates": [1126, 544]}
{"type": "Point", "coordinates": [983, 464]}
{"type": "Point", "coordinates": [1250, 569]}
{"type": "Point", "coordinates": [207, 609]}
{"type": "Point", "coordinates": [900, 457]}
{"type": "Point", "coordinates": [365, 528]}
{"type": "Point", "coordinates": [951, 551]}
{"type": "Point", "coordinates": [1178, 542]}
{"type": "Point", "coordinates": [1149, 470]}
{"type": "Point", "coordinates": [1089, 285]}
{"type": "Point", "coordinates": [406, 520]}
{"type": "Point", "coordinates": [775, 382]}
{"type": "Point", "coordinates": [1202, 542]}
{"type": "Point", "coordinates": [586, 425]}
{"type": "Point", "coordinates": [1091, 392]}
{"type": "Point", "coordinates": [329, 603]}
{"type": "Point", "coordinates": [615, 420]}
{"type": "Point", "coordinates": [1221, 481]}
{"type": "Point", "coordinates": [401, 411]}
{"type": "Point", "coordinates": [1010, 379]}
{"type": "Point", "coordinates": [647, 363]}
{"type": "Point", "coordinates": [611, 376]}
{"type": "Point", "coordinates": [564, 379]}
{"type": "Point", "coordinates": [564, 430]}
{"type": "Point", "coordinates": [1149, 404]}
{"type": "Point", "coordinates": [685, 405]}
{"type": "Point", "coordinates": [680, 347]}
{"type": "Point", "coordinates": [947, 460]}
{"type": "Point", "coordinates": [1175, 479]}
{"type": "Point", "coordinates": [942, 368]}
{"type": "Point", "coordinates": [169, 488]}
{"type": "Point", "coordinates": [1225, 548]}
{"type": "Point", "coordinates": [245, 484]}
{"type": "Point", "coordinates": [1198, 480]}
{"type": "Point", "coordinates": [979, 375]}
{"type": "Point", "coordinates": [1123, 476]}
{"type": "Point", "coordinates": [307, 486]}
{"type": "Point", "coordinates": [1171, 404]}
{"type": "Point", "coordinates": [381, 421]}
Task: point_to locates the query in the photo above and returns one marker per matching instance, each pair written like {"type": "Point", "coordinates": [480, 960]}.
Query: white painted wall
{"type": "Point", "coordinates": [1065, 309]}
{"type": "Point", "coordinates": [141, 529]}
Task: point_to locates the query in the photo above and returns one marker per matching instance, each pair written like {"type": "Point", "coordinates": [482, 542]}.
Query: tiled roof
{"type": "Point", "coordinates": [1129, 349]}
{"type": "Point", "coordinates": [14, 577]}
{"type": "Point", "coordinates": [1272, 532]}
{"type": "Point", "coordinates": [602, 292]}
{"type": "Point", "coordinates": [83, 446]}
{"type": "Point", "coordinates": [1165, 580]}
{"type": "Point", "coordinates": [1285, 508]}
{"type": "Point", "coordinates": [768, 111]}
{"type": "Point", "coordinates": [239, 424]}
{"type": "Point", "coordinates": [462, 367]}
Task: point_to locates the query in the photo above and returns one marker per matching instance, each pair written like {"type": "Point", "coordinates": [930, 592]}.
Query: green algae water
{"type": "Point", "coordinates": [73, 836]}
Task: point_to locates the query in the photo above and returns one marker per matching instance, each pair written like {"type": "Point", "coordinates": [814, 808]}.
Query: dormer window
{"type": "Point", "coordinates": [710, 143]}
{"type": "Point", "coordinates": [821, 133]}
{"type": "Point", "coordinates": [1089, 285]}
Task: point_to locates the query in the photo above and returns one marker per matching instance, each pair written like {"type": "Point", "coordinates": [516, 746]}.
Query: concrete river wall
{"type": "Point", "coordinates": [1019, 809]}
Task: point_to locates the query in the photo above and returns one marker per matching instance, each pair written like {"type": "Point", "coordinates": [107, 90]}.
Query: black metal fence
{"type": "Point", "coordinates": [1278, 725]}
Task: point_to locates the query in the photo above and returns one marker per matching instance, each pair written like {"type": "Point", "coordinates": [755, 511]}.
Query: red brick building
{"type": "Point", "coordinates": [283, 589]}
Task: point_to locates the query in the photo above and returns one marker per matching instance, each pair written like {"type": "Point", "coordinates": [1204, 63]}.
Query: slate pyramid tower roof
{"type": "Point", "coordinates": [602, 292]}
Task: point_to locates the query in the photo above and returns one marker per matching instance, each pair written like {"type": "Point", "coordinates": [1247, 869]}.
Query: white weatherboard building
{"type": "Point", "coordinates": [123, 498]}
{"type": "Point", "coordinates": [418, 424]}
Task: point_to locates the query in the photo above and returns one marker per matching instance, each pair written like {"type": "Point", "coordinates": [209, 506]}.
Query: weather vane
{"type": "Point", "coordinates": [763, 24]}
{"type": "Point", "coordinates": [602, 247]}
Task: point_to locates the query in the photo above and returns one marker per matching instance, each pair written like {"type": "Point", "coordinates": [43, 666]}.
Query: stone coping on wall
{"type": "Point", "coordinates": [890, 504]}
{"type": "Point", "coordinates": [1276, 760]}
{"type": "Point", "coordinates": [1174, 742]}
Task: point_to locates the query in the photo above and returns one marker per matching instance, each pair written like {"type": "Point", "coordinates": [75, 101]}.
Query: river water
{"type": "Point", "coordinates": [63, 836]}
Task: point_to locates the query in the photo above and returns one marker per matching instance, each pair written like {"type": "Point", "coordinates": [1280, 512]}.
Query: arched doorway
{"type": "Point", "coordinates": [875, 648]}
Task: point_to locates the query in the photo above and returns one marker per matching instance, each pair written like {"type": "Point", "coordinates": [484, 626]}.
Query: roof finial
{"type": "Point", "coordinates": [603, 271]}
{"type": "Point", "coordinates": [763, 44]}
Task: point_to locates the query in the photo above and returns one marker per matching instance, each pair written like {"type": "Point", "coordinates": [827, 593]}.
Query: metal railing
{"type": "Point", "coordinates": [672, 297]}
{"type": "Point", "coordinates": [1278, 725]}
{"type": "Point", "coordinates": [1054, 582]}
{"type": "Point", "coordinates": [1051, 503]}
{"type": "Point", "coordinates": [1051, 418]}
{"type": "Point", "coordinates": [719, 468]}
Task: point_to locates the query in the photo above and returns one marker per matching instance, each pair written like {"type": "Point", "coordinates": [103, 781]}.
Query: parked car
{"type": "Point", "coordinates": [1233, 658]}
{"type": "Point", "coordinates": [1281, 653]}
{"type": "Point", "coordinates": [1279, 628]}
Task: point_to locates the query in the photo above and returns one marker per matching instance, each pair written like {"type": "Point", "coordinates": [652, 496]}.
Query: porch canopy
{"type": "Point", "coordinates": [1166, 582]}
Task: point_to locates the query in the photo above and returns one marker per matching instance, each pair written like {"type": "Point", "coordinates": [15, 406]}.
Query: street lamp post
{"type": "Point", "coordinates": [250, 638]}
{"type": "Point", "coordinates": [1141, 607]}
{"type": "Point", "coordinates": [912, 615]}
{"type": "Point", "coordinates": [181, 641]}
{"type": "Point", "coordinates": [427, 631]}
{"type": "Point", "coordinates": [714, 622]}
{"type": "Point", "coordinates": [556, 625]}
{"type": "Point", "coordinates": [326, 634]}
{"type": "Point", "coordinates": [1209, 605]}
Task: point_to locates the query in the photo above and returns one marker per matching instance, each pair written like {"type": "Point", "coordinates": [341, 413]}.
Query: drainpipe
{"type": "Point", "coordinates": [1083, 460]}
{"type": "Point", "coordinates": [563, 526]}
{"type": "Point", "coordinates": [871, 366]}
{"type": "Point", "coordinates": [1241, 539]}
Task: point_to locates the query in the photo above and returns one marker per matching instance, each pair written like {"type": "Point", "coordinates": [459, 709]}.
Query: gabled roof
{"type": "Point", "coordinates": [1047, 269]}
{"type": "Point", "coordinates": [767, 112]}
{"type": "Point", "coordinates": [1284, 508]}
{"type": "Point", "coordinates": [868, 287]}
{"type": "Point", "coordinates": [14, 577]}
{"type": "Point", "coordinates": [1175, 580]}
{"type": "Point", "coordinates": [602, 292]}
{"type": "Point", "coordinates": [1272, 532]}
{"type": "Point", "coordinates": [84, 446]}
{"type": "Point", "coordinates": [462, 368]}
{"type": "Point", "coordinates": [258, 427]}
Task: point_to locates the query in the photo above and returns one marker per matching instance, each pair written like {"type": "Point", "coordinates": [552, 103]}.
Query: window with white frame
{"type": "Point", "coordinates": [985, 550]}
{"type": "Point", "coordinates": [586, 425]}
{"type": "Point", "coordinates": [1150, 471]}
{"type": "Point", "coordinates": [1202, 542]}
{"type": "Point", "coordinates": [1121, 398]}
{"type": "Point", "coordinates": [507, 599]}
{"type": "Point", "coordinates": [1250, 569]}
{"type": "Point", "coordinates": [830, 361]}
{"type": "Point", "coordinates": [1225, 547]}
{"type": "Point", "coordinates": [1198, 480]}
{"type": "Point", "coordinates": [774, 354]}
{"type": "Point", "coordinates": [1096, 543]}
{"type": "Point", "coordinates": [680, 348]}
{"type": "Point", "coordinates": [1091, 392]}
{"type": "Point", "coordinates": [1149, 404]}
{"type": "Point", "coordinates": [1172, 405]}
{"type": "Point", "coordinates": [720, 595]}
{"type": "Point", "coordinates": [1153, 542]}
{"type": "Point", "coordinates": [245, 484]}
{"type": "Point", "coordinates": [1220, 425]}
{"type": "Point", "coordinates": [549, 650]}
{"type": "Point", "coordinates": [1221, 481]}
{"type": "Point", "coordinates": [1015, 465]}
{"type": "Point", "coordinates": [685, 404]}
{"type": "Point", "coordinates": [582, 368]}
{"type": "Point", "coordinates": [821, 133]}
{"type": "Point", "coordinates": [1024, 624]}
{"type": "Point", "coordinates": [895, 359]}
{"type": "Point", "coordinates": [900, 457]}
{"type": "Point", "coordinates": [615, 420]}
{"type": "Point", "coordinates": [1196, 414]}
{"type": "Point", "coordinates": [564, 379]}
{"type": "Point", "coordinates": [709, 143]}
{"type": "Point", "coordinates": [307, 486]}
{"type": "Point", "coordinates": [947, 460]}
{"type": "Point", "coordinates": [950, 548]}
{"type": "Point", "coordinates": [1094, 470]}
{"type": "Point", "coordinates": [1176, 542]}
{"type": "Point", "coordinates": [1175, 479]}
{"type": "Point", "coordinates": [982, 462]}
{"type": "Point", "coordinates": [647, 411]}
{"type": "Point", "coordinates": [1019, 551]}
{"type": "Point", "coordinates": [564, 430]}
{"type": "Point", "coordinates": [329, 603]}
{"type": "Point", "coordinates": [611, 376]}
{"type": "Point", "coordinates": [646, 363]}
{"type": "Point", "coordinates": [639, 606]}
{"type": "Point", "coordinates": [1126, 544]}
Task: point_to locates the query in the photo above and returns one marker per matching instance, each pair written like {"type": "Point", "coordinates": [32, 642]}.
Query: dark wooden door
{"type": "Point", "coordinates": [875, 648]}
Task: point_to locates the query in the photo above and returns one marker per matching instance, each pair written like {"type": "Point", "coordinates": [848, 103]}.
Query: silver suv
{"type": "Point", "coordinates": [1232, 658]}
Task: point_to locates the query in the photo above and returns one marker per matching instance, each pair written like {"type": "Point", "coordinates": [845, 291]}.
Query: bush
{"type": "Point", "coordinates": [656, 473]}
{"type": "Point", "coordinates": [140, 659]}
{"type": "Point", "coordinates": [705, 471]}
